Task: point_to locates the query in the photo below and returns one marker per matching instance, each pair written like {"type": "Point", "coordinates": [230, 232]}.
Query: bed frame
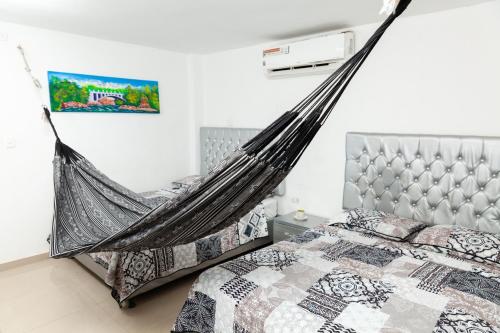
{"type": "Point", "coordinates": [215, 144]}
{"type": "Point", "coordinates": [436, 179]}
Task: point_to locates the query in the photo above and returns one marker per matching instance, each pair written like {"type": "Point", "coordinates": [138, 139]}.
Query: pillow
{"type": "Point", "coordinates": [461, 242]}
{"type": "Point", "coordinates": [378, 223]}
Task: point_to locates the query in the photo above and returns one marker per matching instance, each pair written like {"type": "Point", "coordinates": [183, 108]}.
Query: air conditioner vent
{"type": "Point", "coordinates": [309, 56]}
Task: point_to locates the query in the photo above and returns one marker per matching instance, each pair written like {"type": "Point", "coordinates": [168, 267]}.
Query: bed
{"type": "Point", "coordinates": [330, 279]}
{"type": "Point", "coordinates": [132, 273]}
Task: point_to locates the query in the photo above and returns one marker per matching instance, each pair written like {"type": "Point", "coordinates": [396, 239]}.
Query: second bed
{"type": "Point", "coordinates": [130, 274]}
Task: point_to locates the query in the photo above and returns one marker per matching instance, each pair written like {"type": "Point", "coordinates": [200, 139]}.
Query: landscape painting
{"type": "Point", "coordinates": [89, 93]}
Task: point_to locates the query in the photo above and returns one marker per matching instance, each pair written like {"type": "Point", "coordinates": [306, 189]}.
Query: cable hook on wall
{"type": "Point", "coordinates": [27, 68]}
{"type": "Point", "coordinates": [35, 81]}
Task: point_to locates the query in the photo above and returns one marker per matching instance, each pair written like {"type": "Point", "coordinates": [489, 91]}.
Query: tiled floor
{"type": "Point", "coordinates": [61, 296]}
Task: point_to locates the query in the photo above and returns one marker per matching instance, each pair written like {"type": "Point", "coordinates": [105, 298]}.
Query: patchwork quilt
{"type": "Point", "coordinates": [335, 280]}
{"type": "Point", "coordinates": [129, 271]}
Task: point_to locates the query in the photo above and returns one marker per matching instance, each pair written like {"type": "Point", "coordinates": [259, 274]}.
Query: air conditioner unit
{"type": "Point", "coordinates": [314, 55]}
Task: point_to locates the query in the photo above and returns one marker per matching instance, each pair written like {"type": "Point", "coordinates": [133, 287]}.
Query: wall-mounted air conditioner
{"type": "Point", "coordinates": [314, 55]}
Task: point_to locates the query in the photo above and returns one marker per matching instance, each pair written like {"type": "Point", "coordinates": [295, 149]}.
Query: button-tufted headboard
{"type": "Point", "coordinates": [437, 179]}
{"type": "Point", "coordinates": [217, 142]}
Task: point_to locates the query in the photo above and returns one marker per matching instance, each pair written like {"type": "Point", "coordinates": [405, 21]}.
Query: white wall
{"type": "Point", "coordinates": [436, 73]}
{"type": "Point", "coordinates": [142, 152]}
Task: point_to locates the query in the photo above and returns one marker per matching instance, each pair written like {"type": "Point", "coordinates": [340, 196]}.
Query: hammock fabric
{"type": "Point", "coordinates": [94, 213]}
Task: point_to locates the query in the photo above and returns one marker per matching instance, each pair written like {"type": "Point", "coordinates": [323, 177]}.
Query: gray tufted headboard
{"type": "Point", "coordinates": [437, 179]}
{"type": "Point", "coordinates": [217, 142]}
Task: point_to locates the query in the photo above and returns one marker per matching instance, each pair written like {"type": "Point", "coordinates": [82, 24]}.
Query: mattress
{"type": "Point", "coordinates": [333, 280]}
{"type": "Point", "coordinates": [128, 272]}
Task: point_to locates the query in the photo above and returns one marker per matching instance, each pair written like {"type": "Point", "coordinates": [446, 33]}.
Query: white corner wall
{"type": "Point", "coordinates": [142, 152]}
{"type": "Point", "coordinates": [437, 73]}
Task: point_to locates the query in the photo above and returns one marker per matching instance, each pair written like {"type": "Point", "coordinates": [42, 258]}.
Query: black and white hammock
{"type": "Point", "coordinates": [94, 213]}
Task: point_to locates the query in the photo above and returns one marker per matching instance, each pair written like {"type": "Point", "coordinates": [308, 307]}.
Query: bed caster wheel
{"type": "Point", "coordinates": [128, 304]}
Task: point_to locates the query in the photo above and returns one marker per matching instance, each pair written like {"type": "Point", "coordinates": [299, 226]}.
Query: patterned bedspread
{"type": "Point", "coordinates": [333, 280]}
{"type": "Point", "coordinates": [129, 271]}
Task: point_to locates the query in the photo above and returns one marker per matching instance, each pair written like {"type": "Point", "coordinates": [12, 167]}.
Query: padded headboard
{"type": "Point", "coordinates": [436, 179]}
{"type": "Point", "coordinates": [217, 142]}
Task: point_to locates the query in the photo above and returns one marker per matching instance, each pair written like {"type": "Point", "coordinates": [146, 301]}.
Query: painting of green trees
{"type": "Point", "coordinates": [89, 93]}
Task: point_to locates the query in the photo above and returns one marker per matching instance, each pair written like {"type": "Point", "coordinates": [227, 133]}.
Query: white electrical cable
{"type": "Point", "coordinates": [389, 7]}
{"type": "Point", "coordinates": [27, 68]}
{"type": "Point", "coordinates": [35, 81]}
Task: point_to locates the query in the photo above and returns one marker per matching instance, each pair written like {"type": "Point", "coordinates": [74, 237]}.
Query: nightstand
{"type": "Point", "coordinates": [285, 226]}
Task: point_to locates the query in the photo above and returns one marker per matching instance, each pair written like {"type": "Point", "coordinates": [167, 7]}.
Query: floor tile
{"type": "Point", "coordinates": [158, 308]}
{"type": "Point", "coordinates": [62, 296]}
{"type": "Point", "coordinates": [84, 321]}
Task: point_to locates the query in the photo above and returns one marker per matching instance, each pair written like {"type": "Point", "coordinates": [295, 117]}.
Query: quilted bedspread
{"type": "Point", "coordinates": [128, 272]}
{"type": "Point", "coordinates": [333, 280]}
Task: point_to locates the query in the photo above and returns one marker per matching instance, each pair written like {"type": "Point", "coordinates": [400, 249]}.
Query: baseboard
{"type": "Point", "coordinates": [24, 261]}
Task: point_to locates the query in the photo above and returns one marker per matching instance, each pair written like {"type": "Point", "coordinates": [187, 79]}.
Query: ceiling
{"type": "Point", "coordinates": [202, 26]}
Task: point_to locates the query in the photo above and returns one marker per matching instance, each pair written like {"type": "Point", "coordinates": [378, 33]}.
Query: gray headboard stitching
{"type": "Point", "coordinates": [436, 179]}
{"type": "Point", "coordinates": [218, 142]}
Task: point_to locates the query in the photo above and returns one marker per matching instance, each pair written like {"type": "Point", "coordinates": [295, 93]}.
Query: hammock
{"type": "Point", "coordinates": [94, 213]}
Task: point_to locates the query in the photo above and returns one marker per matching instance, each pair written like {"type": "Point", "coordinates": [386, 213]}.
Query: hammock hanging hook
{"type": "Point", "coordinates": [39, 86]}
{"type": "Point", "coordinates": [389, 7]}
{"type": "Point", "coordinates": [27, 68]}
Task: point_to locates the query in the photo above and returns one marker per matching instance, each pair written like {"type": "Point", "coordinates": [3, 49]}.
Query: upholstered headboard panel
{"type": "Point", "coordinates": [437, 179]}
{"type": "Point", "coordinates": [217, 142]}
